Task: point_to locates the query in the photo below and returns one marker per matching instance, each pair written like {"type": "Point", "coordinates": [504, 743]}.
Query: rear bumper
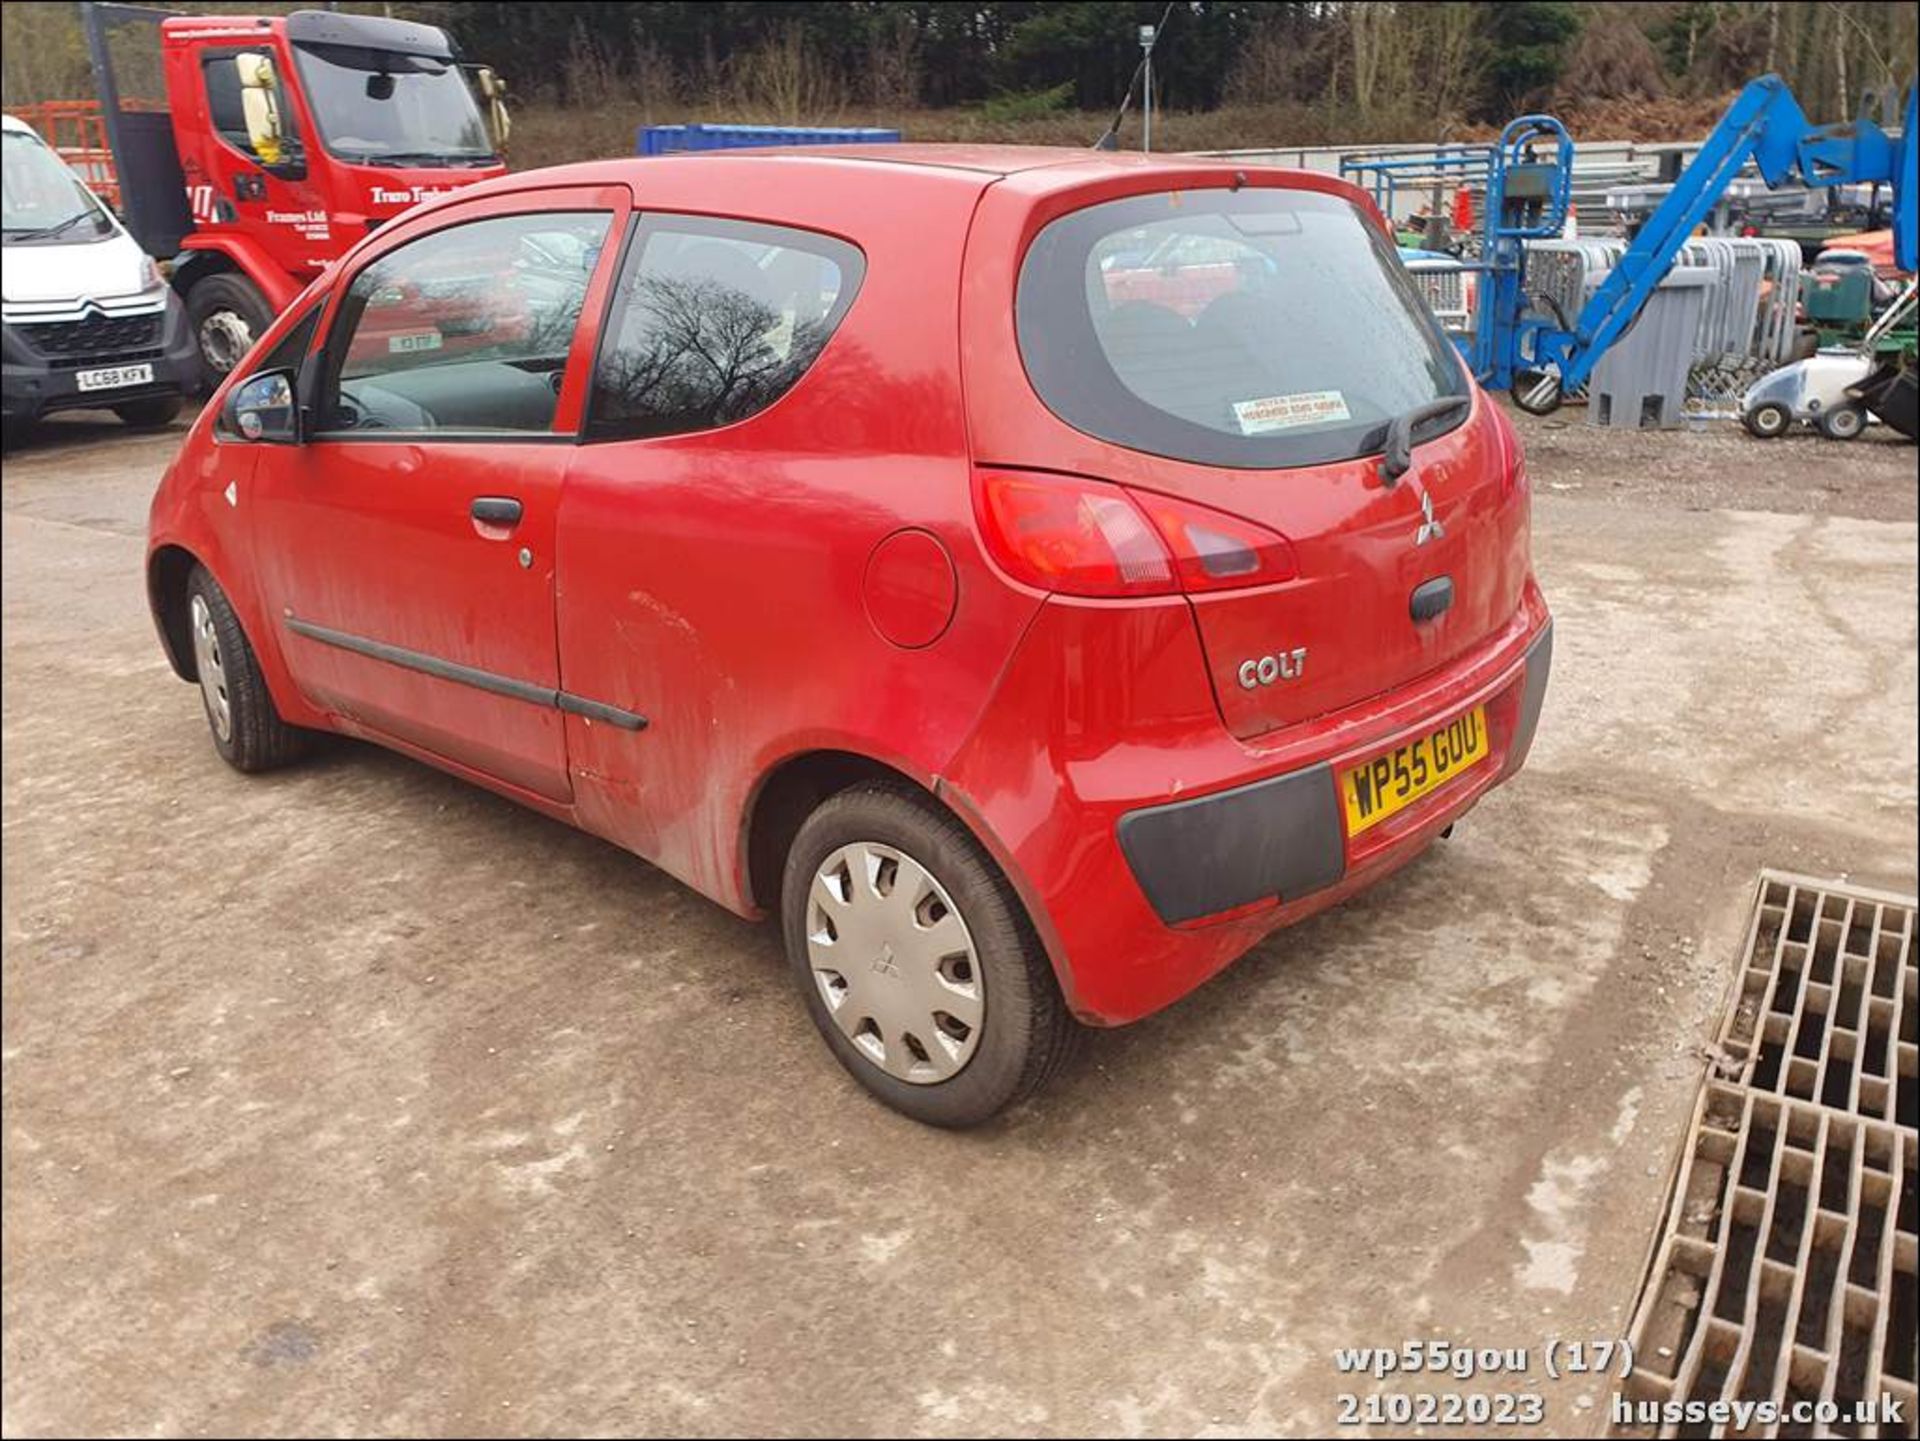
{"type": "Point", "coordinates": [1284, 836]}
{"type": "Point", "coordinates": [1151, 847]}
{"type": "Point", "coordinates": [34, 383]}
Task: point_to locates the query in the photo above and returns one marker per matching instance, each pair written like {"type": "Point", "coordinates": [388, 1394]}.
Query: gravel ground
{"type": "Point", "coordinates": [354, 1099]}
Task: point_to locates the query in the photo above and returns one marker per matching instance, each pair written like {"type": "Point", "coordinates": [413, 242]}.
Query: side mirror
{"type": "Point", "coordinates": [493, 90]}
{"type": "Point", "coordinates": [264, 408]}
{"type": "Point", "coordinates": [260, 104]}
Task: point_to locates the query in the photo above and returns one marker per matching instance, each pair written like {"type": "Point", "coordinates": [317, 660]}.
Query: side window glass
{"type": "Point", "coordinates": [713, 321]}
{"type": "Point", "coordinates": [229, 115]}
{"type": "Point", "coordinates": [464, 329]}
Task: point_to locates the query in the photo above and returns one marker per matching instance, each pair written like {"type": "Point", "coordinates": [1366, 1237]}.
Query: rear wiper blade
{"type": "Point", "coordinates": [1397, 458]}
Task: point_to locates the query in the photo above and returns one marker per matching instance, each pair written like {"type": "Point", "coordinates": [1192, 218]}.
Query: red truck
{"type": "Point", "coordinates": [284, 140]}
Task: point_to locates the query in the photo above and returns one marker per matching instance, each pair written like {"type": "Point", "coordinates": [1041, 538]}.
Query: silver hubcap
{"type": "Point", "coordinates": [213, 675]}
{"type": "Point", "coordinates": [895, 963]}
{"type": "Point", "coordinates": [225, 338]}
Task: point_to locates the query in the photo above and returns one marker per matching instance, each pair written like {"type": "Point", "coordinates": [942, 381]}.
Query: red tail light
{"type": "Point", "coordinates": [1214, 551]}
{"type": "Point", "coordinates": [1082, 537]}
{"type": "Point", "coordinates": [1089, 537]}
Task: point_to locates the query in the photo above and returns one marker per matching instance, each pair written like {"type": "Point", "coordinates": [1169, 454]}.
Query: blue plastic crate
{"type": "Point", "coordinates": [664, 139]}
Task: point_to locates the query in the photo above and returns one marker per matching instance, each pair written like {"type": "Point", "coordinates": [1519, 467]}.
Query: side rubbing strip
{"type": "Point", "coordinates": [599, 710]}
{"type": "Point", "coordinates": [426, 664]}
{"type": "Point", "coordinates": [485, 680]}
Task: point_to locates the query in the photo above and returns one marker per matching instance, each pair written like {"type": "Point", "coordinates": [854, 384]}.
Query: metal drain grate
{"type": "Point", "coordinates": [1787, 1269]}
{"type": "Point", "coordinates": [1826, 1009]}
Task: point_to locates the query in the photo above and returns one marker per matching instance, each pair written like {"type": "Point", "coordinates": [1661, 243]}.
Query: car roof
{"type": "Point", "coordinates": [1037, 171]}
{"type": "Point", "coordinates": [1051, 166]}
{"type": "Point", "coordinates": [986, 159]}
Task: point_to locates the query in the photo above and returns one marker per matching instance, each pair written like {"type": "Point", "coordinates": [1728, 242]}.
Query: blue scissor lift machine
{"type": "Point", "coordinates": [1543, 358]}
{"type": "Point", "coordinates": [1764, 125]}
{"type": "Point", "coordinates": [1526, 182]}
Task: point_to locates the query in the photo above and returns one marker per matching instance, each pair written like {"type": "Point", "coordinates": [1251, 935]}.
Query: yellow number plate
{"type": "Point", "coordinates": [1394, 781]}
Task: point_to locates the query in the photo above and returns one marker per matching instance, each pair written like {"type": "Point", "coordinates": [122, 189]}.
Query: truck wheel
{"type": "Point", "coordinates": [155, 414]}
{"type": "Point", "coordinates": [916, 961]}
{"type": "Point", "coordinates": [1768, 421]}
{"type": "Point", "coordinates": [247, 730]}
{"type": "Point", "coordinates": [228, 313]}
{"type": "Point", "coordinates": [1843, 422]}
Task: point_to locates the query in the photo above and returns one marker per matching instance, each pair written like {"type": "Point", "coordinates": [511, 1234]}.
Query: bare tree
{"type": "Point", "coordinates": [1369, 26]}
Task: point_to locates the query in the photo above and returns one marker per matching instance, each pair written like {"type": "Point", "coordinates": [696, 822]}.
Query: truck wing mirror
{"type": "Point", "coordinates": [260, 103]}
{"type": "Point", "coordinates": [263, 407]}
{"type": "Point", "coordinates": [494, 90]}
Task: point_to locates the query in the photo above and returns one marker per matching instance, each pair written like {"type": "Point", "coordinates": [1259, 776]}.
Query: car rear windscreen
{"type": "Point", "coordinates": [1251, 328]}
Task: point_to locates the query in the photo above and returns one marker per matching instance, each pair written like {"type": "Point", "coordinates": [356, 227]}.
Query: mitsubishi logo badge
{"type": "Point", "coordinates": [1430, 527]}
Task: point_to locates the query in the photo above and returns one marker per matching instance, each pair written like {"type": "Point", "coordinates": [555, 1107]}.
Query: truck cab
{"type": "Point", "coordinates": [285, 139]}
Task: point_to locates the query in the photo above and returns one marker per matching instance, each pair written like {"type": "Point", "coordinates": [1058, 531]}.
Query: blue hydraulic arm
{"type": "Point", "coordinates": [1766, 126]}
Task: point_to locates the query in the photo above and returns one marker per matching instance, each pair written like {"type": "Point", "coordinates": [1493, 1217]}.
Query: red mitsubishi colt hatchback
{"type": "Point", "coordinates": [1033, 575]}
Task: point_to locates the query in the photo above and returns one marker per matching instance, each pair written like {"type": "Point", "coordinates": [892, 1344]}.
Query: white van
{"type": "Point", "coordinates": [89, 322]}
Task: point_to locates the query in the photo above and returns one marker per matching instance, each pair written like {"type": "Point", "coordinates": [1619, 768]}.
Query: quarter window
{"type": "Point", "coordinates": [715, 320]}
{"type": "Point", "coordinates": [290, 353]}
{"type": "Point", "coordinates": [292, 348]}
{"type": "Point", "coordinates": [466, 329]}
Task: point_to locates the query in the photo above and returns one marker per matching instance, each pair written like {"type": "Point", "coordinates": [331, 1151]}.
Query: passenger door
{"type": "Point", "coordinates": [407, 547]}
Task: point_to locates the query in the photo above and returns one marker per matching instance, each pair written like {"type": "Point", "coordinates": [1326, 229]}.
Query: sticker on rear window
{"type": "Point", "coordinates": [1284, 412]}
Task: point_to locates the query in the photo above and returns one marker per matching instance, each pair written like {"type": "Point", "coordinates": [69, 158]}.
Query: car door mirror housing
{"type": "Point", "coordinates": [265, 407]}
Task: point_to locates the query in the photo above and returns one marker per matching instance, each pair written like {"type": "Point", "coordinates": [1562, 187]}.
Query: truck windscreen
{"type": "Point", "coordinates": [383, 107]}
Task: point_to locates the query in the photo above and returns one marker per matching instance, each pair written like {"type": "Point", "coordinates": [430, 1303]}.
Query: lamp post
{"type": "Point", "coordinates": [1146, 113]}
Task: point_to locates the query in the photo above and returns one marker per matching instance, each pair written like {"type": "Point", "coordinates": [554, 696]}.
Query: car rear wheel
{"type": "Point", "coordinates": [247, 729]}
{"type": "Point", "coordinates": [1768, 421]}
{"type": "Point", "coordinates": [916, 961]}
{"type": "Point", "coordinates": [1843, 422]}
{"type": "Point", "coordinates": [155, 414]}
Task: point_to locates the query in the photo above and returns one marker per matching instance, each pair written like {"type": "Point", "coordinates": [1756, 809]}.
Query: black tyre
{"type": "Point", "coordinates": [1537, 391]}
{"type": "Point", "coordinates": [1843, 422]}
{"type": "Point", "coordinates": [917, 963]}
{"type": "Point", "coordinates": [247, 730]}
{"type": "Point", "coordinates": [228, 313]}
{"type": "Point", "coordinates": [154, 414]}
{"type": "Point", "coordinates": [1767, 421]}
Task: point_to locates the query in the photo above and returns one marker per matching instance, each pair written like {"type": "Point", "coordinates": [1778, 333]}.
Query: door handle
{"type": "Point", "coordinates": [495, 510]}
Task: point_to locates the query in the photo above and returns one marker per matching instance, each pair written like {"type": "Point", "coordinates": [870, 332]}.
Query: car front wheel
{"type": "Point", "coordinates": [247, 729]}
{"type": "Point", "coordinates": [916, 961]}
